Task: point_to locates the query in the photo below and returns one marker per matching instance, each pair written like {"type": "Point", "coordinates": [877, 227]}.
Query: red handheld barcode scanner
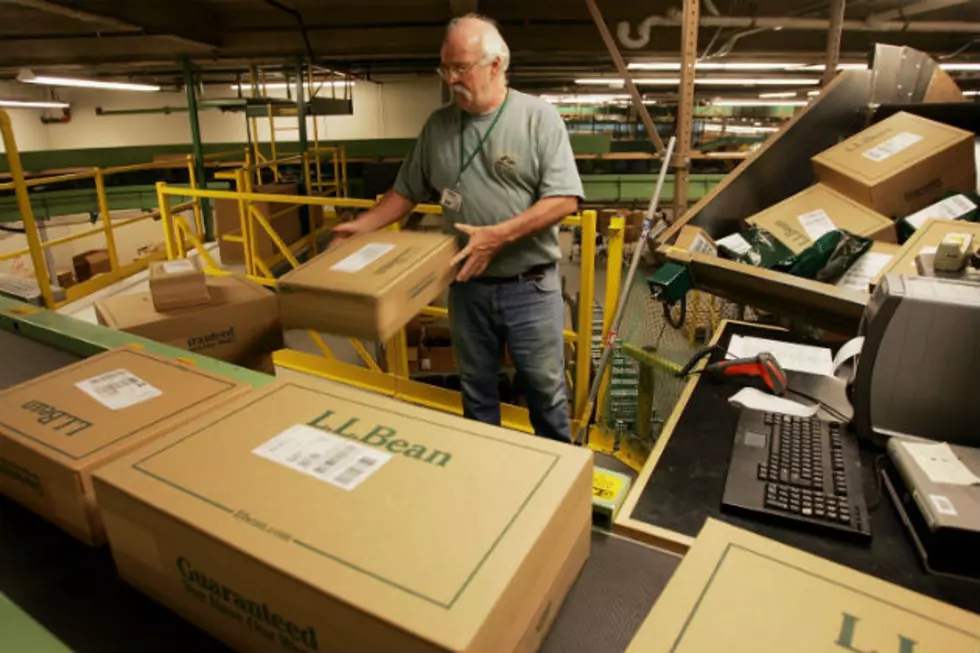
{"type": "Point", "coordinates": [763, 366]}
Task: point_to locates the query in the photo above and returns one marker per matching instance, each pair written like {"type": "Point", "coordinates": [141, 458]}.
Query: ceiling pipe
{"type": "Point", "coordinates": [913, 9]}
{"type": "Point", "coordinates": [623, 28]}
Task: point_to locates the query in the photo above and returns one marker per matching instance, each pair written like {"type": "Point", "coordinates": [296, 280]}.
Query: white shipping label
{"type": "Point", "coordinates": [178, 267]}
{"type": "Point", "coordinates": [951, 208]}
{"type": "Point", "coordinates": [324, 456]}
{"type": "Point", "coordinates": [940, 463]}
{"type": "Point", "coordinates": [702, 245]}
{"type": "Point", "coordinates": [943, 504]}
{"type": "Point", "coordinates": [816, 223]}
{"type": "Point", "coordinates": [866, 268]}
{"type": "Point", "coordinates": [362, 257]}
{"type": "Point", "coordinates": [735, 243]}
{"type": "Point", "coordinates": [892, 146]}
{"type": "Point", "coordinates": [118, 389]}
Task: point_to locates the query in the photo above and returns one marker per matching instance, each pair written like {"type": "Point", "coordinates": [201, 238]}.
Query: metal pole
{"type": "Point", "coordinates": [833, 41]}
{"type": "Point", "coordinates": [685, 107]}
{"type": "Point", "coordinates": [624, 297]}
{"type": "Point", "coordinates": [617, 58]}
{"type": "Point", "coordinates": [202, 181]}
{"type": "Point", "coordinates": [304, 211]}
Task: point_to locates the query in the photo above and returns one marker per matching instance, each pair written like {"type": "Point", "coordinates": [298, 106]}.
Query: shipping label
{"type": "Point", "coordinates": [735, 243]}
{"type": "Point", "coordinates": [951, 208]}
{"type": "Point", "coordinates": [178, 267]}
{"type": "Point", "coordinates": [324, 456]}
{"type": "Point", "coordinates": [118, 389]}
{"type": "Point", "coordinates": [363, 257]}
{"type": "Point", "coordinates": [892, 146]}
{"type": "Point", "coordinates": [816, 223]}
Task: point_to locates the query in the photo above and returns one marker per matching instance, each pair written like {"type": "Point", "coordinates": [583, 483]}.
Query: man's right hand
{"type": "Point", "coordinates": [347, 230]}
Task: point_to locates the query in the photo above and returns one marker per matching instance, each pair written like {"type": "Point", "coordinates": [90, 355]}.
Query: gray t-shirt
{"type": "Point", "coordinates": [525, 158]}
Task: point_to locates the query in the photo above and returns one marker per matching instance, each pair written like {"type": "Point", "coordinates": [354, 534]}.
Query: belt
{"type": "Point", "coordinates": [532, 273]}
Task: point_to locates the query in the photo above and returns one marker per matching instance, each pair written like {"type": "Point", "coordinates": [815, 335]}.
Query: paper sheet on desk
{"type": "Point", "coordinates": [790, 356]}
{"type": "Point", "coordinates": [940, 463]}
{"type": "Point", "coordinates": [758, 400]}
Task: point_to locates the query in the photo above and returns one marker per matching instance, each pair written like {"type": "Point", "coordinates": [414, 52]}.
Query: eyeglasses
{"type": "Point", "coordinates": [457, 69]}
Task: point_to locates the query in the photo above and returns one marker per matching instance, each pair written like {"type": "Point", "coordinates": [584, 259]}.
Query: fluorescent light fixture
{"type": "Point", "coordinates": [714, 65]}
{"type": "Point", "coordinates": [812, 93]}
{"type": "Point", "coordinates": [759, 103]}
{"type": "Point", "coordinates": [284, 85]}
{"type": "Point", "coordinates": [960, 67]}
{"type": "Point", "coordinates": [28, 77]}
{"type": "Point", "coordinates": [707, 81]}
{"type": "Point", "coordinates": [586, 99]}
{"type": "Point", "coordinates": [30, 104]}
{"type": "Point", "coordinates": [738, 129]}
{"type": "Point", "coordinates": [840, 66]}
{"type": "Point", "coordinates": [971, 93]}
{"type": "Point", "coordinates": [780, 94]}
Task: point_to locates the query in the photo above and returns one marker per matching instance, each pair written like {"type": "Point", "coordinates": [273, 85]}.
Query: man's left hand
{"type": "Point", "coordinates": [483, 245]}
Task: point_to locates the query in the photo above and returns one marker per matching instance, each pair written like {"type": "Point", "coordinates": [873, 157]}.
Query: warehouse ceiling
{"type": "Point", "coordinates": [553, 42]}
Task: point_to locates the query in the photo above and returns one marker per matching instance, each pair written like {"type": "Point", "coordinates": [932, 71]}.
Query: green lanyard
{"type": "Point", "coordinates": [465, 162]}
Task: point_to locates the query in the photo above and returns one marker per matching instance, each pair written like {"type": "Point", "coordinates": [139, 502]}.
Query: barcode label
{"type": "Point", "coordinates": [702, 245]}
{"type": "Point", "coordinates": [816, 223]}
{"type": "Point", "coordinates": [118, 389]}
{"type": "Point", "coordinates": [865, 269]}
{"type": "Point", "coordinates": [951, 208]}
{"type": "Point", "coordinates": [892, 146]}
{"type": "Point", "coordinates": [324, 456]}
{"type": "Point", "coordinates": [735, 243]}
{"type": "Point", "coordinates": [178, 267]}
{"type": "Point", "coordinates": [362, 257]}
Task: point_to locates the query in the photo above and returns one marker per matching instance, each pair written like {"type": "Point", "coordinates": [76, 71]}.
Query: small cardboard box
{"type": "Point", "coordinates": [57, 429]}
{"type": "Point", "coordinates": [283, 217]}
{"type": "Point", "coordinates": [802, 218]}
{"type": "Point", "coordinates": [739, 592]}
{"type": "Point", "coordinates": [925, 241]}
{"type": "Point", "coordinates": [696, 241]}
{"type": "Point", "coordinates": [240, 323]}
{"type": "Point", "coordinates": [313, 516]}
{"type": "Point", "coordinates": [90, 263]}
{"type": "Point", "coordinates": [900, 165]}
{"type": "Point", "coordinates": [178, 284]}
{"type": "Point", "coordinates": [369, 286]}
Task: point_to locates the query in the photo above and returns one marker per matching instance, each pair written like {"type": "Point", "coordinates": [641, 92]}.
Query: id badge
{"type": "Point", "coordinates": [451, 199]}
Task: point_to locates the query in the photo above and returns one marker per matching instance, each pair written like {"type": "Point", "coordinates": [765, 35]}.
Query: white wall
{"type": "Point", "coordinates": [397, 107]}
{"type": "Point", "coordinates": [30, 132]}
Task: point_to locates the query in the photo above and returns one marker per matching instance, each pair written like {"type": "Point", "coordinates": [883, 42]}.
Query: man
{"type": "Point", "coordinates": [501, 165]}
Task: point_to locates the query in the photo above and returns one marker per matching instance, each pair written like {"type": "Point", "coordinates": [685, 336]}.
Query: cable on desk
{"type": "Point", "coordinates": [823, 404]}
{"type": "Point", "coordinates": [877, 468]}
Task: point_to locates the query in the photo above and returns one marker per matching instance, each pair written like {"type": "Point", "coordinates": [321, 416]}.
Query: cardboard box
{"type": "Point", "coordinates": [739, 592]}
{"type": "Point", "coordinates": [866, 269]}
{"type": "Point", "coordinates": [696, 240]}
{"type": "Point", "coordinates": [313, 516]}
{"type": "Point", "coordinates": [926, 240]}
{"type": "Point", "coordinates": [283, 217]}
{"type": "Point", "coordinates": [239, 324]}
{"type": "Point", "coordinates": [369, 286]}
{"type": "Point", "coordinates": [798, 220]}
{"type": "Point", "coordinates": [66, 278]}
{"type": "Point", "coordinates": [90, 263]}
{"type": "Point", "coordinates": [900, 165]}
{"type": "Point", "coordinates": [178, 284]}
{"type": "Point", "coordinates": [57, 429]}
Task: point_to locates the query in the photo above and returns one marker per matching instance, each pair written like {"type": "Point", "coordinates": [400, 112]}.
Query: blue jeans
{"type": "Point", "coordinates": [528, 316]}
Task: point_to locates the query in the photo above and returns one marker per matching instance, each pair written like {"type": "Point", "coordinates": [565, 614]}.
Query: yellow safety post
{"type": "Point", "coordinates": [343, 169]}
{"type": "Point", "coordinates": [320, 344]}
{"type": "Point", "coordinates": [110, 241]}
{"type": "Point", "coordinates": [198, 219]}
{"type": "Point", "coordinates": [26, 212]}
{"type": "Point", "coordinates": [169, 230]}
{"type": "Point", "coordinates": [614, 275]}
{"type": "Point", "coordinates": [583, 353]}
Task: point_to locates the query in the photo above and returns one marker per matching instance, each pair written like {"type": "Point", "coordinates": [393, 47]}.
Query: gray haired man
{"type": "Point", "coordinates": [501, 165]}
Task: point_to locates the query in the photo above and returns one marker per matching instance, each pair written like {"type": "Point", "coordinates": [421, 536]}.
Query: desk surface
{"type": "Point", "coordinates": [684, 486]}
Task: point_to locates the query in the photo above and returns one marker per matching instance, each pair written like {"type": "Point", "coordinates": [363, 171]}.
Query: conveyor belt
{"type": "Point", "coordinates": [22, 359]}
{"type": "Point", "coordinates": [73, 591]}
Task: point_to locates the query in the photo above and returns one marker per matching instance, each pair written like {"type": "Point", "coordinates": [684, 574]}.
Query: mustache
{"type": "Point", "coordinates": [459, 89]}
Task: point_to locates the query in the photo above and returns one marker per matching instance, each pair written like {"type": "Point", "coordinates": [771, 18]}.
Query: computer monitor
{"type": "Point", "coordinates": [918, 373]}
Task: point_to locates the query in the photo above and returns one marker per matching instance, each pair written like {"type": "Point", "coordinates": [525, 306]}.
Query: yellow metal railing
{"type": "Point", "coordinates": [260, 271]}
{"type": "Point", "coordinates": [36, 248]}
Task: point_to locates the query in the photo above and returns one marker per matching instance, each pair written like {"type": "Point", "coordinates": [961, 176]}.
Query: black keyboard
{"type": "Point", "coordinates": [801, 469]}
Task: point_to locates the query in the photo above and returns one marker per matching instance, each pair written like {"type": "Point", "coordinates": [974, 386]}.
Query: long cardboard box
{"type": "Point", "coordinates": [802, 218]}
{"type": "Point", "coordinates": [57, 429]}
{"type": "Point", "coordinates": [900, 165]}
{"type": "Point", "coordinates": [315, 517]}
{"type": "Point", "coordinates": [369, 286]}
{"type": "Point", "coordinates": [742, 593]}
{"type": "Point", "coordinates": [240, 323]}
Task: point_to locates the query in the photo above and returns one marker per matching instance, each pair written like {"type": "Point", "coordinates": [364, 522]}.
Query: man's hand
{"type": "Point", "coordinates": [483, 245]}
{"type": "Point", "coordinates": [347, 230]}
